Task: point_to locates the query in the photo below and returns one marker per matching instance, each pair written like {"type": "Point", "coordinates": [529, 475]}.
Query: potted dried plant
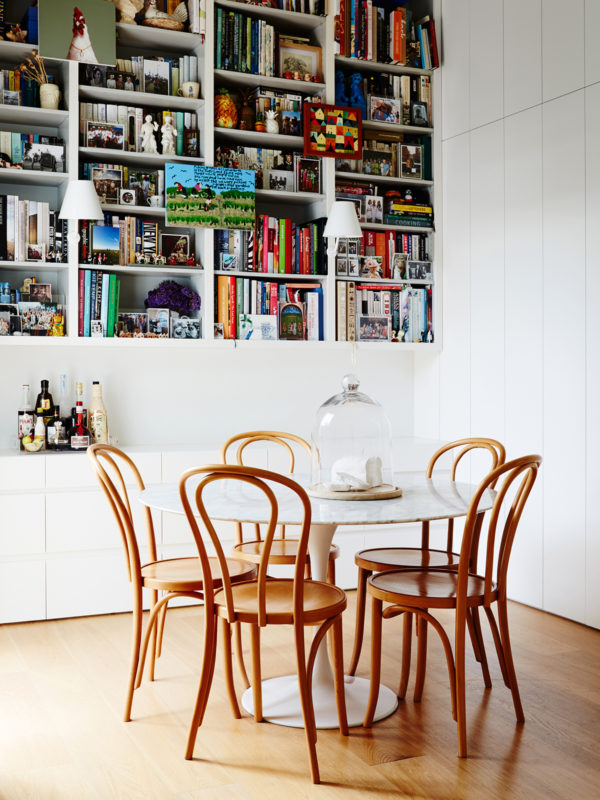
{"type": "Point", "coordinates": [34, 69]}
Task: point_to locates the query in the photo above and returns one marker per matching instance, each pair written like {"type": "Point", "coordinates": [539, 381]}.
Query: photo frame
{"type": "Point", "coordinates": [105, 135]}
{"type": "Point", "coordinates": [307, 170]}
{"type": "Point", "coordinates": [143, 184]}
{"type": "Point", "coordinates": [299, 60]}
{"type": "Point", "coordinates": [108, 183]}
{"type": "Point", "coordinates": [373, 328]}
{"type": "Point", "coordinates": [157, 77]}
{"type": "Point", "coordinates": [93, 74]}
{"type": "Point", "coordinates": [341, 266]}
{"type": "Point", "coordinates": [175, 245]}
{"type": "Point", "coordinates": [385, 109]}
{"type": "Point", "coordinates": [371, 267]}
{"type": "Point", "coordinates": [332, 130]}
{"type": "Point", "coordinates": [106, 243]}
{"type": "Point", "coordinates": [41, 157]}
{"type": "Point", "coordinates": [353, 266]}
{"type": "Point", "coordinates": [158, 323]}
{"type": "Point", "coordinates": [40, 293]}
{"type": "Point", "coordinates": [35, 252]}
{"type": "Point", "coordinates": [290, 123]}
{"type": "Point", "coordinates": [411, 161]}
{"type": "Point", "coordinates": [132, 325]}
{"type": "Point", "coordinates": [419, 115]}
{"type": "Point", "coordinates": [399, 261]}
{"type": "Point", "coordinates": [185, 328]}
{"type": "Point", "coordinates": [127, 197]}
{"type": "Point", "coordinates": [191, 142]}
{"type": "Point", "coordinates": [218, 332]}
{"type": "Point", "coordinates": [291, 321]}
{"type": "Point", "coordinates": [373, 208]}
{"type": "Point", "coordinates": [279, 180]}
{"type": "Point", "coordinates": [419, 271]}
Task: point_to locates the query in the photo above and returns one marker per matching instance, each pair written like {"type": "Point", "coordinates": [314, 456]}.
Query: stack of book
{"type": "Point", "coordinates": [98, 302]}
{"type": "Point", "coordinates": [376, 313]}
{"type": "Point", "coordinates": [268, 310]}
{"type": "Point", "coordinates": [399, 212]}
{"type": "Point", "coordinates": [31, 231]}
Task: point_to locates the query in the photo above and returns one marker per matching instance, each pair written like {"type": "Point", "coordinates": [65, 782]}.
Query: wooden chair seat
{"type": "Point", "coordinates": [381, 559]}
{"type": "Point", "coordinates": [426, 588]}
{"type": "Point", "coordinates": [185, 574]}
{"type": "Point", "coordinates": [283, 551]}
{"type": "Point", "coordinates": [321, 601]}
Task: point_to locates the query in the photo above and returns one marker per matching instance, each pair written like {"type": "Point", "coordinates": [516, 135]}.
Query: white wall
{"type": "Point", "coordinates": [521, 273]}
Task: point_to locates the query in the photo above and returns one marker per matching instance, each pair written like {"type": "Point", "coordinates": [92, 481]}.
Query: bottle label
{"type": "Point", "coordinates": [98, 427]}
{"type": "Point", "coordinates": [45, 406]}
{"type": "Point", "coordinates": [25, 424]}
{"type": "Point", "coordinates": [80, 442]}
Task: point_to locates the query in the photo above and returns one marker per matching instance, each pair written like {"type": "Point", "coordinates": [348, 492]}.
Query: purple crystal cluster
{"type": "Point", "coordinates": [174, 296]}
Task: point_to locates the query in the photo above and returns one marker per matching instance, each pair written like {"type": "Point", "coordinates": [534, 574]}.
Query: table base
{"type": "Point", "coordinates": [281, 702]}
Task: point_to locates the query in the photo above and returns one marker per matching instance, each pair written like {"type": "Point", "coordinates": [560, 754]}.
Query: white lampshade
{"type": "Point", "coordinates": [342, 222]}
{"type": "Point", "coordinates": [81, 202]}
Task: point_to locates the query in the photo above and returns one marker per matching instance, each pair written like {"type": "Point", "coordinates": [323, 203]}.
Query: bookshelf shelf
{"type": "Point", "coordinates": [24, 176]}
{"type": "Point", "coordinates": [34, 266]}
{"type": "Point", "coordinates": [248, 79]}
{"type": "Point", "coordinates": [101, 94]}
{"type": "Point", "coordinates": [382, 281]}
{"type": "Point", "coordinates": [31, 115]}
{"type": "Point", "coordinates": [268, 276]}
{"type": "Point", "coordinates": [147, 211]}
{"type": "Point", "coordinates": [360, 176]}
{"type": "Point", "coordinates": [152, 39]}
{"type": "Point", "coordinates": [390, 127]}
{"type": "Point", "coordinates": [377, 226]}
{"type": "Point", "coordinates": [275, 15]}
{"type": "Point", "coordinates": [288, 197]}
{"type": "Point", "coordinates": [125, 157]}
{"type": "Point", "coordinates": [360, 64]}
{"type": "Point", "coordinates": [15, 51]}
{"type": "Point", "coordinates": [149, 270]}
{"type": "Point", "coordinates": [255, 139]}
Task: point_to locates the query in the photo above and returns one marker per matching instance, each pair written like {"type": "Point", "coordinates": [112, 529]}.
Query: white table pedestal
{"type": "Point", "coordinates": [280, 696]}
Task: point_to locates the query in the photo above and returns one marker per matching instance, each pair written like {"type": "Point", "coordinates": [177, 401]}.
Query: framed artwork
{"type": "Point", "coordinates": [209, 197]}
{"type": "Point", "coordinates": [298, 60]}
{"type": "Point", "coordinates": [332, 130]}
{"type": "Point", "coordinates": [262, 327]}
{"type": "Point", "coordinates": [82, 31]}
{"type": "Point", "coordinates": [105, 135]}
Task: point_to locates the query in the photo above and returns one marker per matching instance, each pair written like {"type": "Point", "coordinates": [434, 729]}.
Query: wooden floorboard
{"type": "Point", "coordinates": [62, 690]}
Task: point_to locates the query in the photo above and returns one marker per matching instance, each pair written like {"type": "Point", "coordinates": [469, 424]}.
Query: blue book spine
{"type": "Point", "coordinates": [421, 46]}
{"type": "Point", "coordinates": [319, 293]}
{"type": "Point", "coordinates": [87, 286]}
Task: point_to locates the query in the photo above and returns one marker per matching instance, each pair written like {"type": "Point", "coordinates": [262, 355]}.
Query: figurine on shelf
{"type": "Point", "coordinates": [341, 98]}
{"type": "Point", "coordinates": [58, 325]}
{"type": "Point", "coordinates": [191, 261]}
{"type": "Point", "coordinates": [148, 139]}
{"type": "Point", "coordinates": [141, 258]}
{"type": "Point", "coordinates": [161, 19]}
{"type": "Point", "coordinates": [15, 34]}
{"type": "Point", "coordinates": [357, 97]}
{"type": "Point", "coordinates": [159, 259]}
{"type": "Point", "coordinates": [128, 9]}
{"type": "Point", "coordinates": [272, 124]}
{"type": "Point", "coordinates": [168, 137]}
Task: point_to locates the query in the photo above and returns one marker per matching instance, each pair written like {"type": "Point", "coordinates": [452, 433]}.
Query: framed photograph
{"type": "Point", "coordinates": [143, 184]}
{"type": "Point", "coordinates": [125, 81]}
{"type": "Point", "coordinates": [185, 328]}
{"type": "Point", "coordinates": [357, 199]}
{"type": "Point", "coordinates": [371, 266]}
{"type": "Point", "coordinates": [40, 293]}
{"type": "Point", "coordinates": [132, 325]}
{"type": "Point", "coordinates": [377, 162]}
{"type": "Point", "coordinates": [373, 208]}
{"type": "Point", "coordinates": [218, 332]}
{"type": "Point", "coordinates": [332, 130]}
{"type": "Point", "coordinates": [342, 250]}
{"type": "Point", "coordinates": [353, 266]}
{"type": "Point", "coordinates": [418, 114]}
{"type": "Point", "coordinates": [127, 197]}
{"type": "Point", "coordinates": [157, 79]}
{"type": "Point", "coordinates": [411, 161]}
{"type": "Point", "coordinates": [346, 165]}
{"type": "Point", "coordinates": [308, 174]}
{"type": "Point", "coordinates": [87, 33]}
{"type": "Point", "coordinates": [96, 330]}
{"type": "Point", "coordinates": [36, 317]}
{"type": "Point", "coordinates": [108, 183]}
{"type": "Point", "coordinates": [291, 321]}
{"type": "Point", "coordinates": [174, 245]}
{"type": "Point", "coordinates": [191, 142]}
{"type": "Point", "coordinates": [259, 327]}
{"type": "Point", "coordinates": [374, 328]}
{"type": "Point", "coordinates": [341, 266]}
{"type": "Point", "coordinates": [94, 74]}
{"type": "Point", "coordinates": [111, 79]}
{"type": "Point", "coordinates": [106, 243]}
{"type": "Point", "coordinates": [280, 180]}
{"type": "Point", "coordinates": [4, 323]}
{"type": "Point", "coordinates": [419, 270]}
{"type": "Point", "coordinates": [158, 323]}
{"type": "Point", "coordinates": [105, 135]}
{"type": "Point", "coordinates": [290, 123]}
{"type": "Point", "coordinates": [43, 157]}
{"type": "Point", "coordinates": [11, 98]}
{"type": "Point", "coordinates": [385, 109]}
{"type": "Point", "coordinates": [353, 247]}
{"type": "Point", "coordinates": [228, 261]}
{"type": "Point", "coordinates": [298, 60]}
{"type": "Point", "coordinates": [399, 261]}
{"type": "Point", "coordinates": [35, 252]}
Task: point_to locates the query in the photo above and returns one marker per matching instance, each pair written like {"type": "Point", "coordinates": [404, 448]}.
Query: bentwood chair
{"type": "Point", "coordinates": [372, 560]}
{"type": "Point", "coordinates": [176, 577]}
{"type": "Point", "coordinates": [416, 590]}
{"type": "Point", "coordinates": [263, 601]}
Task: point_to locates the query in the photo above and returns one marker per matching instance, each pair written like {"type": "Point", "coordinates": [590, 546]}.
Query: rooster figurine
{"type": "Point", "coordinates": [161, 19]}
{"type": "Point", "coordinates": [81, 47]}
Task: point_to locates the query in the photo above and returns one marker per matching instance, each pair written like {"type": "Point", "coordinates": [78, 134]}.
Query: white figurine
{"type": "Point", "coordinates": [397, 275]}
{"type": "Point", "coordinates": [148, 140]}
{"type": "Point", "coordinates": [272, 124]}
{"type": "Point", "coordinates": [128, 9]}
{"type": "Point", "coordinates": [152, 16]}
{"type": "Point", "coordinates": [169, 136]}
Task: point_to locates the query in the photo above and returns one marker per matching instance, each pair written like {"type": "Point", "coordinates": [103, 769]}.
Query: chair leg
{"type": "Point", "coordinates": [338, 674]}
{"type": "Point", "coordinates": [206, 676]}
{"type": "Point", "coordinates": [476, 635]}
{"type": "Point", "coordinates": [510, 667]}
{"type": "Point", "coordinates": [421, 659]}
{"type": "Point", "coordinates": [239, 654]}
{"type": "Point", "coordinates": [226, 630]}
{"type": "Point", "coordinates": [406, 649]}
{"type": "Point", "coordinates": [307, 704]}
{"type": "Point", "coordinates": [376, 623]}
{"type": "Point", "coordinates": [459, 659]}
{"type": "Point", "coordinates": [161, 629]}
{"type": "Point", "coordinates": [498, 645]}
{"type": "Point", "coordinates": [135, 653]}
{"type": "Point", "coordinates": [153, 640]}
{"type": "Point", "coordinates": [361, 594]}
{"type": "Point", "coordinates": [331, 571]}
{"type": "Point", "coordinates": [256, 673]}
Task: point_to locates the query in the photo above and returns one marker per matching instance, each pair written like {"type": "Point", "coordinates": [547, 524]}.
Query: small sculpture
{"type": "Point", "coordinates": [148, 139]}
{"type": "Point", "coordinates": [128, 9]}
{"type": "Point", "coordinates": [272, 124]}
{"type": "Point", "coordinates": [357, 98]}
{"type": "Point", "coordinates": [141, 258]}
{"type": "Point", "coordinates": [15, 34]}
{"type": "Point", "coordinates": [159, 259]}
{"type": "Point", "coordinates": [81, 46]}
{"type": "Point", "coordinates": [58, 325]}
{"type": "Point", "coordinates": [397, 275]}
{"type": "Point", "coordinates": [161, 19]}
{"type": "Point", "coordinates": [341, 98]}
{"type": "Point", "coordinates": [169, 137]}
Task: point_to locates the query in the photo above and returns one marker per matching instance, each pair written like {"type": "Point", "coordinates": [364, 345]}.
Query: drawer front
{"type": "Point", "coordinates": [22, 591]}
{"type": "Point", "coordinates": [22, 524]}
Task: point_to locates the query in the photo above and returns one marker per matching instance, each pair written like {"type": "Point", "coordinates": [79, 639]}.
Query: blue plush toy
{"type": "Point", "coordinates": [357, 98]}
{"type": "Point", "coordinates": [341, 98]}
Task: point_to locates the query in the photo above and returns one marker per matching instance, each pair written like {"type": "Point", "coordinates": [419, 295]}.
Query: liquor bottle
{"type": "Point", "coordinates": [97, 415]}
{"type": "Point", "coordinates": [25, 417]}
{"type": "Point", "coordinates": [63, 402]}
{"type": "Point", "coordinates": [79, 436]}
{"type": "Point", "coordinates": [44, 403]}
{"type": "Point", "coordinates": [56, 432]}
{"type": "Point", "coordinates": [39, 437]}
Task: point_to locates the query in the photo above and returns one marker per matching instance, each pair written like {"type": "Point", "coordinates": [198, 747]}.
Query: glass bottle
{"type": "Point", "coordinates": [56, 432]}
{"type": "Point", "coordinates": [79, 436]}
{"type": "Point", "coordinates": [25, 417]}
{"type": "Point", "coordinates": [39, 441]}
{"type": "Point", "coordinates": [97, 415]}
{"type": "Point", "coordinates": [63, 402]}
{"type": "Point", "coordinates": [44, 403]}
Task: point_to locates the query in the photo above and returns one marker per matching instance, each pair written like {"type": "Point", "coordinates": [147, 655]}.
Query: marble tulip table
{"type": "Point", "coordinates": [422, 499]}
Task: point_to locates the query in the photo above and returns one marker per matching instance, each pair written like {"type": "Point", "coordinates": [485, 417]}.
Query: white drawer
{"type": "Point", "coordinates": [69, 471]}
{"type": "Point", "coordinates": [22, 471]}
{"type": "Point", "coordinates": [92, 584]}
{"type": "Point", "coordinates": [22, 591]}
{"type": "Point", "coordinates": [22, 521]}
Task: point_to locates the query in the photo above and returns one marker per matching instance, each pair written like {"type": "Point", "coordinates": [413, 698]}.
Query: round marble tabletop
{"type": "Point", "coordinates": [422, 499]}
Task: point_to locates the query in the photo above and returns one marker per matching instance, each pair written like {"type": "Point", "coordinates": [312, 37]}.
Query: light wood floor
{"type": "Point", "coordinates": [61, 736]}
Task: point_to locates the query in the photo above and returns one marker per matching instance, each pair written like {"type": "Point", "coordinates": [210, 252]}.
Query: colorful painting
{"type": "Point", "coordinates": [209, 197]}
{"type": "Point", "coordinates": [332, 131]}
{"type": "Point", "coordinates": [78, 30]}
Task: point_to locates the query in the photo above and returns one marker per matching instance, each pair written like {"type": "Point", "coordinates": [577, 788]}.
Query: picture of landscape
{"type": "Point", "coordinates": [209, 197]}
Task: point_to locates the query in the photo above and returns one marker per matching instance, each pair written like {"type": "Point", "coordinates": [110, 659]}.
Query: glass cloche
{"type": "Point", "coordinates": [352, 447]}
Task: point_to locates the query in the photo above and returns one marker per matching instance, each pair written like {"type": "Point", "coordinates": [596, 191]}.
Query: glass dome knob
{"type": "Point", "coordinates": [350, 383]}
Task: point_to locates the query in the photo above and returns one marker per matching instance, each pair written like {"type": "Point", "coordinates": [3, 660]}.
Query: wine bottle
{"type": "Point", "coordinates": [97, 415]}
{"type": "Point", "coordinates": [44, 404]}
{"type": "Point", "coordinates": [79, 437]}
{"type": "Point", "coordinates": [25, 417]}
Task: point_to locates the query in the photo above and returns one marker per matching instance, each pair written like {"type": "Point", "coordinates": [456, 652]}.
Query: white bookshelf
{"type": "Point", "coordinates": [136, 280]}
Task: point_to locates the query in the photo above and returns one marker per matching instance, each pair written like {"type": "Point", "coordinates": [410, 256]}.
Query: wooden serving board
{"type": "Point", "coordinates": [384, 492]}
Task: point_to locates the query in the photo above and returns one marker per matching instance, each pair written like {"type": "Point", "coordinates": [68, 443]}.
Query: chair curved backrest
{"type": "Point", "coordinates": [279, 438]}
{"type": "Point", "coordinates": [114, 469]}
{"type": "Point", "coordinates": [261, 479]}
{"type": "Point", "coordinates": [496, 558]}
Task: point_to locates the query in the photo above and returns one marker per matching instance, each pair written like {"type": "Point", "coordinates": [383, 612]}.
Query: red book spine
{"type": "Point", "coordinates": [81, 302]}
{"type": "Point", "coordinates": [435, 59]}
{"type": "Point", "coordinates": [231, 307]}
{"type": "Point", "coordinates": [273, 298]}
